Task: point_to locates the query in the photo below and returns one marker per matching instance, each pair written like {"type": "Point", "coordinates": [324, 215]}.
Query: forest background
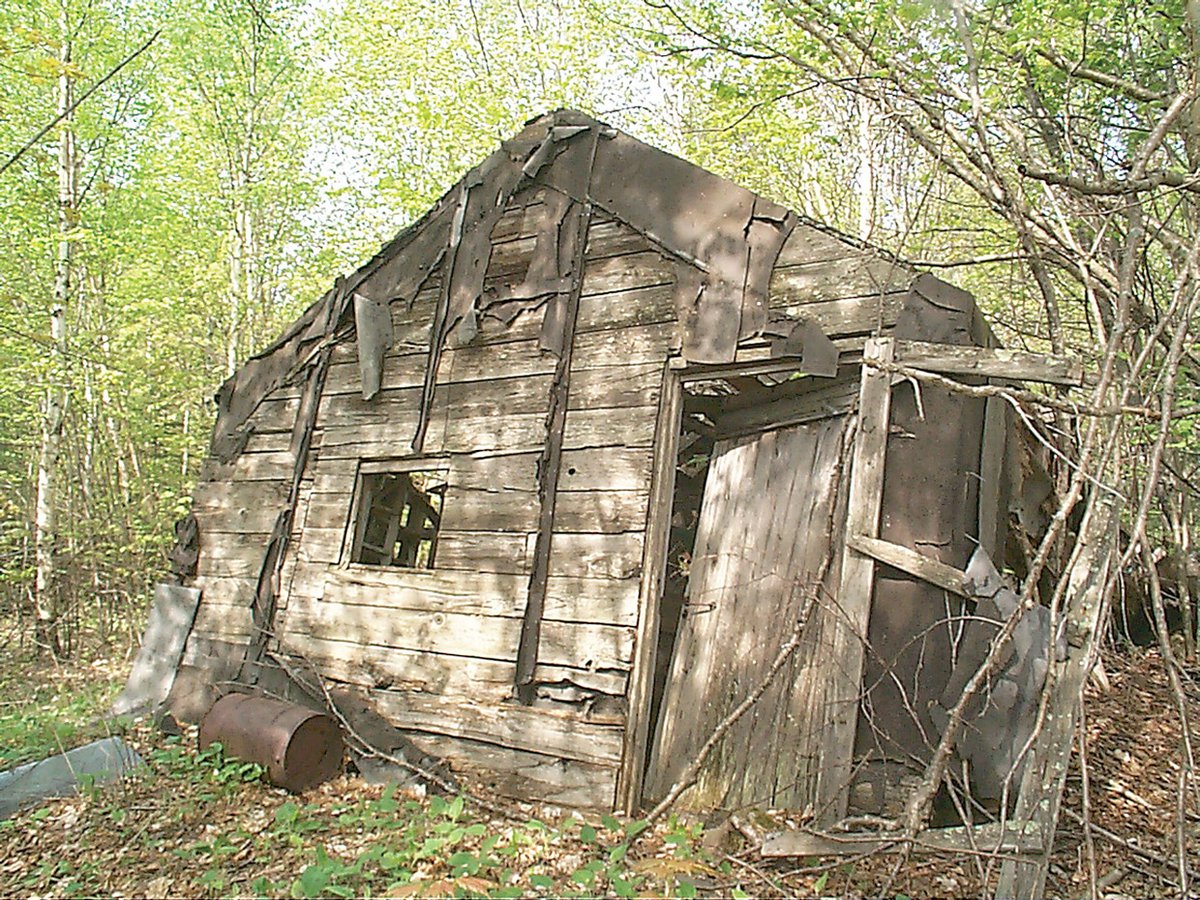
{"type": "Point", "coordinates": [180, 178]}
{"type": "Point", "coordinates": [213, 164]}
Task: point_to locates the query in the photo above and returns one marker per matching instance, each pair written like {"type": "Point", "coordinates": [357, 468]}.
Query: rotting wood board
{"type": "Point", "coordinates": [844, 656]}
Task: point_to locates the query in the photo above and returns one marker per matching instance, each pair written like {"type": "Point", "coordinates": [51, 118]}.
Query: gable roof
{"type": "Point", "coordinates": [723, 237]}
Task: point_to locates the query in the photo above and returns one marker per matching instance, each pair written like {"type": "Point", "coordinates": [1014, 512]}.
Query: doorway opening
{"type": "Point", "coordinates": [748, 443]}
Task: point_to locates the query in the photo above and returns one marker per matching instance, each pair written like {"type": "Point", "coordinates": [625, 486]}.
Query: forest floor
{"type": "Point", "coordinates": [194, 825]}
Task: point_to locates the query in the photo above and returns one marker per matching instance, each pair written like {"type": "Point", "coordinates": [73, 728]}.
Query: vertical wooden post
{"type": "Point", "coordinates": [1046, 770]}
{"type": "Point", "coordinates": [845, 652]}
{"type": "Point", "coordinates": [549, 465]}
{"type": "Point", "coordinates": [991, 475]}
{"type": "Point", "coordinates": [654, 563]}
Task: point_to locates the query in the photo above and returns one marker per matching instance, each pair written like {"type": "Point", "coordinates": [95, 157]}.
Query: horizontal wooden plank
{"type": "Point", "coordinates": [807, 244]}
{"type": "Point", "coordinates": [225, 591]}
{"type": "Point", "coordinates": [458, 677]}
{"type": "Point", "coordinates": [273, 466]}
{"type": "Point", "coordinates": [852, 276]}
{"type": "Point", "coordinates": [220, 620]}
{"type": "Point", "coordinates": [616, 556]}
{"type": "Point", "coordinates": [482, 509]}
{"type": "Point", "coordinates": [1017, 365]}
{"type": "Point", "coordinates": [821, 398]}
{"type": "Point", "coordinates": [569, 598]}
{"type": "Point", "coordinates": [585, 428]}
{"type": "Point", "coordinates": [472, 551]}
{"type": "Point", "coordinates": [581, 645]}
{"type": "Point", "coordinates": [238, 494]}
{"type": "Point", "coordinates": [528, 728]}
{"type": "Point", "coordinates": [849, 315]}
{"type": "Point", "coordinates": [228, 568]}
{"type": "Point", "coordinates": [989, 838]}
{"type": "Point", "coordinates": [612, 469]}
{"type": "Point", "coordinates": [528, 776]}
{"type": "Point", "coordinates": [237, 519]}
{"type": "Point", "coordinates": [911, 562]}
{"type": "Point", "coordinates": [632, 271]}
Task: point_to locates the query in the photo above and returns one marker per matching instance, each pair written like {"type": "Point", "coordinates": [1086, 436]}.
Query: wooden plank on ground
{"type": "Point", "coordinates": [521, 774]}
{"type": "Point", "coordinates": [990, 838]}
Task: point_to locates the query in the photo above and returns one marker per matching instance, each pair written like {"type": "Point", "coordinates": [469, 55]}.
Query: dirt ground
{"type": "Point", "coordinates": [190, 831]}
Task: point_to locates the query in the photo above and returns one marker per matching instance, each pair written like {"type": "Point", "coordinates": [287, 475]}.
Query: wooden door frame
{"type": "Point", "coordinates": [676, 374]}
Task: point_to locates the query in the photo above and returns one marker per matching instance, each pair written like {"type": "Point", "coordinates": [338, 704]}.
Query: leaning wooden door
{"type": "Point", "coordinates": [762, 537]}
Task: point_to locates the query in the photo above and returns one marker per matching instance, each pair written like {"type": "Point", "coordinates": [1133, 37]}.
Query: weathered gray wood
{"type": "Point", "coordinates": [464, 678]}
{"type": "Point", "coordinates": [628, 308]}
{"type": "Point", "coordinates": [633, 271]}
{"type": "Point", "coordinates": [481, 509]}
{"type": "Point", "coordinates": [617, 556]}
{"type": "Point", "coordinates": [603, 348]}
{"type": "Point", "coordinates": [911, 562]}
{"type": "Point", "coordinates": [618, 468]}
{"type": "Point", "coordinates": [225, 591]}
{"type": "Point", "coordinates": [236, 561]}
{"type": "Point", "coordinates": [568, 598]}
{"type": "Point", "coordinates": [586, 429]}
{"type": "Point", "coordinates": [529, 728]}
{"type": "Point", "coordinates": [992, 513]}
{"type": "Point", "coordinates": [469, 550]}
{"type": "Point", "coordinates": [823, 399]}
{"type": "Point", "coordinates": [276, 413]}
{"type": "Point", "coordinates": [274, 466]}
{"type": "Point", "coordinates": [580, 644]}
{"type": "Point", "coordinates": [1041, 789]}
{"type": "Point", "coordinates": [237, 494]}
{"type": "Point", "coordinates": [761, 539]}
{"type": "Point", "coordinates": [562, 341]}
{"type": "Point", "coordinates": [835, 279]}
{"type": "Point", "coordinates": [154, 667]}
{"type": "Point", "coordinates": [654, 561]}
{"type": "Point", "coordinates": [843, 659]}
{"type": "Point", "coordinates": [235, 520]}
{"type": "Point", "coordinates": [989, 838]}
{"type": "Point", "coordinates": [807, 244]}
{"type": "Point", "coordinates": [1018, 365]}
{"type": "Point", "coordinates": [520, 774]}
{"type": "Point", "coordinates": [220, 620]}
{"type": "Point", "coordinates": [843, 316]}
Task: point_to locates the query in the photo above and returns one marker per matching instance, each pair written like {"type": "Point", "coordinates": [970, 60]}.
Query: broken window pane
{"type": "Point", "coordinates": [399, 514]}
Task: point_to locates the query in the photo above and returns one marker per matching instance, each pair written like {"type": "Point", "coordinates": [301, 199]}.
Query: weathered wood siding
{"type": "Point", "coordinates": [235, 504]}
{"type": "Point", "coordinates": [436, 648]}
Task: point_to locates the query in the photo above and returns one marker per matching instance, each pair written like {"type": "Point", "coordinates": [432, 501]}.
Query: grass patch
{"type": "Point", "coordinates": [47, 708]}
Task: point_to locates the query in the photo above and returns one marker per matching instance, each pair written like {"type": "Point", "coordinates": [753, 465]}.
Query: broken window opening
{"type": "Point", "coordinates": [398, 517]}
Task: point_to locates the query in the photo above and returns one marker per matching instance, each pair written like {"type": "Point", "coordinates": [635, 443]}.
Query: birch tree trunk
{"type": "Point", "coordinates": [48, 586]}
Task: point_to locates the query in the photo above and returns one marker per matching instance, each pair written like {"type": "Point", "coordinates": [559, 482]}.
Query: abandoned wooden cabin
{"type": "Point", "coordinates": [550, 480]}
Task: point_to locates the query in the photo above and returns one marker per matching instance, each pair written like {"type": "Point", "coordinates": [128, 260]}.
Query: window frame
{"type": "Point", "coordinates": [359, 513]}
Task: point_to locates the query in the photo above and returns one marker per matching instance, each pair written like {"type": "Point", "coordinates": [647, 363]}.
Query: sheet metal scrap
{"type": "Point", "coordinates": [998, 721]}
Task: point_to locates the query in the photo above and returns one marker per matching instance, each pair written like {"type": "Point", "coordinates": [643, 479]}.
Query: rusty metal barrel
{"type": "Point", "coordinates": [298, 748]}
